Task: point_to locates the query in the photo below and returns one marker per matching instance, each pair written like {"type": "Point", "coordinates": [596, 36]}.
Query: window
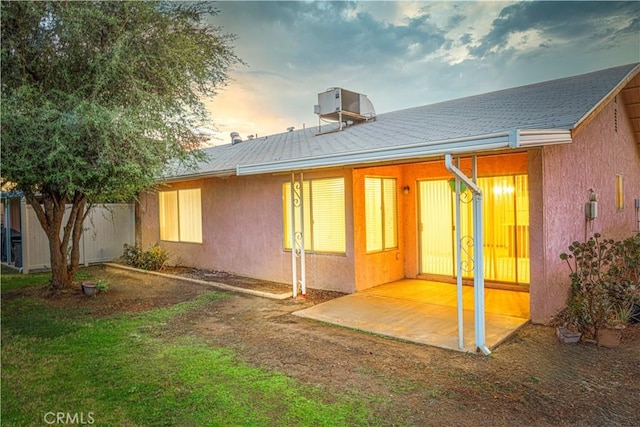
{"type": "Point", "coordinates": [505, 205]}
{"type": "Point", "coordinates": [324, 217]}
{"type": "Point", "coordinates": [381, 213]}
{"type": "Point", "coordinates": [180, 216]}
{"type": "Point", "coordinates": [619, 193]}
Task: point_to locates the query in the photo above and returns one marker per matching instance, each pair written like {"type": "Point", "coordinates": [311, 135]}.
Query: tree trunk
{"type": "Point", "coordinates": [64, 250]}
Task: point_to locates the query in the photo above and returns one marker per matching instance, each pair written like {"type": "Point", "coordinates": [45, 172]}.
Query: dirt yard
{"type": "Point", "coordinates": [530, 380]}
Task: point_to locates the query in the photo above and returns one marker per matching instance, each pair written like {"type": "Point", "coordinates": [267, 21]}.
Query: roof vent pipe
{"type": "Point", "coordinates": [235, 138]}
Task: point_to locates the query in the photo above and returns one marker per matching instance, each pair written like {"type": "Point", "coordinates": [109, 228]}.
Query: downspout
{"type": "Point", "coordinates": [478, 264]}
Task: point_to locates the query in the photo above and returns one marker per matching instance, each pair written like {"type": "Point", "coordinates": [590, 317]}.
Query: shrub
{"type": "Point", "coordinates": [132, 255]}
{"type": "Point", "coordinates": [153, 258]}
{"type": "Point", "coordinates": [604, 283]}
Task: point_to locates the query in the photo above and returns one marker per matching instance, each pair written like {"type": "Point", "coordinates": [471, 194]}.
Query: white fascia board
{"type": "Point", "coordinates": [198, 175]}
{"type": "Point", "coordinates": [414, 151]}
{"type": "Point", "coordinates": [513, 139]}
{"type": "Point", "coordinates": [537, 138]}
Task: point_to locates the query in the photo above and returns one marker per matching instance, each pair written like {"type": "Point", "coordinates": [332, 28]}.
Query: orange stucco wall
{"type": "Point", "coordinates": [383, 267]}
{"type": "Point", "coordinates": [372, 269]}
{"type": "Point", "coordinates": [242, 232]}
{"type": "Point", "coordinates": [559, 180]}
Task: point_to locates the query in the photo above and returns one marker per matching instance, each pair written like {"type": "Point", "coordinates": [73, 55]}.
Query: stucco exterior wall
{"type": "Point", "coordinates": [566, 174]}
{"type": "Point", "coordinates": [243, 232]}
{"type": "Point", "coordinates": [372, 269]}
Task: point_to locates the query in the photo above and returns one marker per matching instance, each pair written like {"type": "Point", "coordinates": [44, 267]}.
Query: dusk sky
{"type": "Point", "coordinates": [406, 54]}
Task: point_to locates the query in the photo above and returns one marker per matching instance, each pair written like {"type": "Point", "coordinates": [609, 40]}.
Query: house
{"type": "Point", "coordinates": [375, 202]}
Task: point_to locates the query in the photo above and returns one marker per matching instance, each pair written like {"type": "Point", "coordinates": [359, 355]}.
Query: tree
{"type": "Point", "coordinates": [98, 99]}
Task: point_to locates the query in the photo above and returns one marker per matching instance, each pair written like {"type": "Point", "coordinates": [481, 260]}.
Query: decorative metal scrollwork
{"type": "Point", "coordinates": [466, 196]}
{"type": "Point", "coordinates": [298, 242]}
{"type": "Point", "coordinates": [297, 198]}
{"type": "Point", "coordinates": [466, 258]}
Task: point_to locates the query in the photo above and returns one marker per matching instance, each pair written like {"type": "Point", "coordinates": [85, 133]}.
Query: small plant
{"type": "Point", "coordinates": [101, 285]}
{"type": "Point", "coordinates": [153, 258]}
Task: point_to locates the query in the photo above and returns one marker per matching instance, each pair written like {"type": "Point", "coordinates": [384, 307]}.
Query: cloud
{"type": "Point", "coordinates": [404, 54]}
{"type": "Point", "coordinates": [595, 22]}
{"type": "Point", "coordinates": [321, 35]}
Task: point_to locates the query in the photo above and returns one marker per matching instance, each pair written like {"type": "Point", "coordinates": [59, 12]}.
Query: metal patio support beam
{"type": "Point", "coordinates": [478, 245]}
{"type": "Point", "coordinates": [460, 298]}
{"type": "Point", "coordinates": [297, 236]}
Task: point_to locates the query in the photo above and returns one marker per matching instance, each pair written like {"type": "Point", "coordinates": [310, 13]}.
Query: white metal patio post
{"type": "Point", "coordinates": [478, 253]}
{"type": "Point", "coordinates": [297, 235]}
{"type": "Point", "coordinates": [460, 299]}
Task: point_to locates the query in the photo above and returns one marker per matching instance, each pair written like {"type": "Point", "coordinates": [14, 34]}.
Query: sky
{"type": "Point", "coordinates": [405, 54]}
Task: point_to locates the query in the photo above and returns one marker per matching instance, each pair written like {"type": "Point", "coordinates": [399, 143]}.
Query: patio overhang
{"type": "Point", "coordinates": [515, 139]}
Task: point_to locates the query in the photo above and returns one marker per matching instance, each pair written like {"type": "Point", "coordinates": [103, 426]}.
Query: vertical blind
{"type": "Point", "coordinates": [180, 215]}
{"type": "Point", "coordinates": [506, 228]}
{"type": "Point", "coordinates": [324, 215]}
{"type": "Point", "coordinates": [168, 201]}
{"type": "Point", "coordinates": [381, 219]}
{"type": "Point", "coordinates": [190, 214]}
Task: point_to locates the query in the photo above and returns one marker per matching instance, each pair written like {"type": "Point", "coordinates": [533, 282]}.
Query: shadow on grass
{"type": "Point", "coordinates": [29, 318]}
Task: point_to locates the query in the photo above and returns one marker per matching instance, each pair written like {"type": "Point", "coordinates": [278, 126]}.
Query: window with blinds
{"type": "Point", "coordinates": [619, 193]}
{"type": "Point", "coordinates": [323, 209]}
{"type": "Point", "coordinates": [180, 215]}
{"type": "Point", "coordinates": [505, 205]}
{"type": "Point", "coordinates": [381, 213]}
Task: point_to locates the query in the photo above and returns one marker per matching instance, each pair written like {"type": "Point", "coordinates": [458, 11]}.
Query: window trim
{"type": "Point", "coordinates": [382, 216]}
{"type": "Point", "coordinates": [179, 216]}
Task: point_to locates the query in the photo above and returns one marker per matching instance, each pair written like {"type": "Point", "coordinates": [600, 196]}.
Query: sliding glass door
{"type": "Point", "coordinates": [506, 228]}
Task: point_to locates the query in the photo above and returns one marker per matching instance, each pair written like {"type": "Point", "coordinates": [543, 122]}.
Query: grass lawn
{"type": "Point", "coordinates": [123, 370]}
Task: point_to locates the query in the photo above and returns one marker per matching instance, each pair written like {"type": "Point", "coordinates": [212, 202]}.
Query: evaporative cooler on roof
{"type": "Point", "coordinates": [344, 106]}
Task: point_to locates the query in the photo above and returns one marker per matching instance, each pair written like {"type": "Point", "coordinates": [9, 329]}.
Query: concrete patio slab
{"type": "Point", "coordinates": [424, 312]}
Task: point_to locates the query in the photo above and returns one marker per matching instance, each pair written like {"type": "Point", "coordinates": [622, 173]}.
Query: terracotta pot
{"type": "Point", "coordinates": [609, 337]}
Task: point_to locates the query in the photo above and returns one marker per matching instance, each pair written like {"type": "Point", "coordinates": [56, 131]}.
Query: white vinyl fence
{"type": "Point", "coordinates": [106, 230]}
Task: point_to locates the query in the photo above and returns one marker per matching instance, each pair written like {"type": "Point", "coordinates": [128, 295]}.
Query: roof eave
{"type": "Point", "coordinates": [516, 139]}
{"type": "Point", "coordinates": [605, 100]}
{"type": "Point", "coordinates": [199, 175]}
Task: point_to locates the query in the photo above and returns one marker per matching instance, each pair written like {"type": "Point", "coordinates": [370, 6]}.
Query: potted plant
{"type": "Point", "coordinates": [603, 287]}
{"type": "Point", "coordinates": [91, 288]}
{"type": "Point", "coordinates": [610, 334]}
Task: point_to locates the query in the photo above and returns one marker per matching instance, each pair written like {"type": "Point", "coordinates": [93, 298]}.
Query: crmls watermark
{"type": "Point", "coordinates": [79, 418]}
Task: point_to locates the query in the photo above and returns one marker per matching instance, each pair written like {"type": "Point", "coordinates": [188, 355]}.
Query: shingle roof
{"type": "Point", "coordinates": [552, 105]}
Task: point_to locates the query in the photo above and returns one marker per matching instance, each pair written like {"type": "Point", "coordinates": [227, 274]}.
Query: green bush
{"type": "Point", "coordinates": [605, 276]}
{"type": "Point", "coordinates": [153, 258]}
{"type": "Point", "coordinates": [132, 255]}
